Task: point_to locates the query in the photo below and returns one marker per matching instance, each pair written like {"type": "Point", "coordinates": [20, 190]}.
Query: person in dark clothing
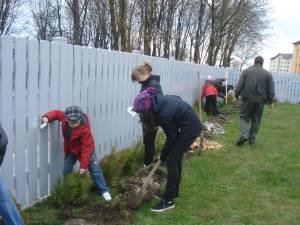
{"type": "Point", "coordinates": [256, 86]}
{"type": "Point", "coordinates": [181, 127]}
{"type": "Point", "coordinates": [143, 75]}
{"type": "Point", "coordinates": [218, 85]}
{"type": "Point", "coordinates": [8, 210]}
{"type": "Point", "coordinates": [210, 93]}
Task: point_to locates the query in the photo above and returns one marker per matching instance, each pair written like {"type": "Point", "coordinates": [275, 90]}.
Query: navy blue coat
{"type": "Point", "coordinates": [176, 118]}
{"type": "Point", "coordinates": [152, 81]}
{"type": "Point", "coordinates": [3, 144]}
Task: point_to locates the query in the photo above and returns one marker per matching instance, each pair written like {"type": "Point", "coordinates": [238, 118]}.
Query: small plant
{"type": "Point", "coordinates": [72, 191]}
{"type": "Point", "coordinates": [119, 164]}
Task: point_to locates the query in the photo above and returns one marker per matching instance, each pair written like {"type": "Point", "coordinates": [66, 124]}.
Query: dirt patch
{"type": "Point", "coordinates": [122, 209]}
{"type": "Point", "coordinates": [220, 119]}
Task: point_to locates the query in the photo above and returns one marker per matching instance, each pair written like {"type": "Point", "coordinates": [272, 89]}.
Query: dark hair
{"type": "Point", "coordinates": [148, 121]}
{"type": "Point", "coordinates": [141, 69]}
{"type": "Point", "coordinates": [259, 60]}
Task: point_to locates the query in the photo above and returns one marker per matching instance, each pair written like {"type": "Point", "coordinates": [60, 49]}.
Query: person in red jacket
{"type": "Point", "coordinates": [79, 145]}
{"type": "Point", "coordinates": [210, 93]}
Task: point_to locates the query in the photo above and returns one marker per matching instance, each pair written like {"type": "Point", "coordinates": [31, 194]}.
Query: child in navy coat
{"type": "Point", "coordinates": [181, 127]}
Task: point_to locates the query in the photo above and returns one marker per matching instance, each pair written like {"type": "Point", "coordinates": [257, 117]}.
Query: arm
{"type": "Point", "coordinates": [53, 115]}
{"type": "Point", "coordinates": [270, 90]}
{"type": "Point", "coordinates": [240, 85]}
{"type": "Point", "coordinates": [3, 144]}
{"type": "Point", "coordinates": [171, 132]}
{"type": "Point", "coordinates": [87, 147]}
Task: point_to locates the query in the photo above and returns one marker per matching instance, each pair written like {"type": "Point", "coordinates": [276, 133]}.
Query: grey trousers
{"type": "Point", "coordinates": [250, 118]}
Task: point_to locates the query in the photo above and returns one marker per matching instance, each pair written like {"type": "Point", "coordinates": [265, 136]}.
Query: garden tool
{"type": "Point", "coordinates": [140, 194]}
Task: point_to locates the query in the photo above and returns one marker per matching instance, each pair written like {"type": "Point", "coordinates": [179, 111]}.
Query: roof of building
{"type": "Point", "coordinates": [296, 43]}
{"type": "Point", "coordinates": [285, 56]}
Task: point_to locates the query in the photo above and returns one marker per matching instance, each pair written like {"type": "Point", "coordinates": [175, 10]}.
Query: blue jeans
{"type": "Point", "coordinates": [8, 210]}
{"type": "Point", "coordinates": [94, 169]}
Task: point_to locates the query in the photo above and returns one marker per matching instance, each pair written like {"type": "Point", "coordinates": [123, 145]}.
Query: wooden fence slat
{"type": "Point", "coordinates": [43, 108]}
{"type": "Point", "coordinates": [33, 118]}
{"type": "Point", "coordinates": [56, 150]}
{"type": "Point", "coordinates": [20, 118]}
{"type": "Point", "coordinates": [6, 106]}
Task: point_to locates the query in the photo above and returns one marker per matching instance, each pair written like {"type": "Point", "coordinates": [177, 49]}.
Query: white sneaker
{"type": "Point", "coordinates": [106, 196]}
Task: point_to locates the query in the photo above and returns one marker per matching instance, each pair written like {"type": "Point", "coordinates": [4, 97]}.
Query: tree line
{"type": "Point", "coordinates": [203, 31]}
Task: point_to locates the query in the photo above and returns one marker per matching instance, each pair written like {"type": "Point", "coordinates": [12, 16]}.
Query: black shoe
{"type": "Point", "coordinates": [241, 141]}
{"type": "Point", "coordinates": [163, 205]}
{"type": "Point", "coordinates": [251, 142]}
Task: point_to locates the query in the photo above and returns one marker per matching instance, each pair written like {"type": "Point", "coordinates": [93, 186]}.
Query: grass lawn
{"type": "Point", "coordinates": [257, 184]}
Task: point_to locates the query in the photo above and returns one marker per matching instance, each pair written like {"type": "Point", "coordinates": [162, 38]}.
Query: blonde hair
{"type": "Point", "coordinates": [141, 69]}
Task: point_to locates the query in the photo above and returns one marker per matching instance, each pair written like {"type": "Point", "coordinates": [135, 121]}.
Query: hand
{"type": "Point", "coordinates": [45, 119]}
{"type": "Point", "coordinates": [82, 171]}
{"type": "Point", "coordinates": [271, 105]}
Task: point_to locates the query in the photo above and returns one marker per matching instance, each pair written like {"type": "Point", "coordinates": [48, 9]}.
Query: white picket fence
{"type": "Point", "coordinates": [39, 76]}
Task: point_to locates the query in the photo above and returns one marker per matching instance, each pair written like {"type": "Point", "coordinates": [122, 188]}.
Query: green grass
{"type": "Point", "coordinates": [242, 185]}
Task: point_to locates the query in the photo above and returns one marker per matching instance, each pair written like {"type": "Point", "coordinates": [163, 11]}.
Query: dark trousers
{"type": "Point", "coordinates": [211, 105]}
{"type": "Point", "coordinates": [250, 118]}
{"type": "Point", "coordinates": [174, 167]}
{"type": "Point", "coordinates": [149, 143]}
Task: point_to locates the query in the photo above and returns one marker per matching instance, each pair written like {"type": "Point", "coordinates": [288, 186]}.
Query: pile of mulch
{"type": "Point", "coordinates": [208, 145]}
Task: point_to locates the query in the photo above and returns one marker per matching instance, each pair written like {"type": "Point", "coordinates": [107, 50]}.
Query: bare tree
{"type": "Point", "coordinates": [44, 19]}
{"type": "Point", "coordinates": [78, 11]}
{"type": "Point", "coordinates": [9, 12]}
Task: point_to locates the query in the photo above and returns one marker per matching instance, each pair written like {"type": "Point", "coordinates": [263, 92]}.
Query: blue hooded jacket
{"type": "Point", "coordinates": [176, 118]}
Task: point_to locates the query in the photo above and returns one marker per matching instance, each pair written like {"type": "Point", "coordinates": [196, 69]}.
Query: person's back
{"type": "Point", "coordinates": [256, 84]}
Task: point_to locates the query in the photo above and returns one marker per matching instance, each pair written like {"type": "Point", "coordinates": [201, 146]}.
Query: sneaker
{"type": "Point", "coordinates": [106, 196]}
{"type": "Point", "coordinates": [163, 205]}
{"type": "Point", "coordinates": [241, 141]}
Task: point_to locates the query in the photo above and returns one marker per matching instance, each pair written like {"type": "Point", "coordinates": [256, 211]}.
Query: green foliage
{"type": "Point", "coordinates": [72, 191]}
{"type": "Point", "coordinates": [120, 164]}
{"type": "Point", "coordinates": [43, 214]}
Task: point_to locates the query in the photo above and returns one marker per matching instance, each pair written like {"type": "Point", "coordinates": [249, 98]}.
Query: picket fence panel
{"type": "Point", "coordinates": [37, 76]}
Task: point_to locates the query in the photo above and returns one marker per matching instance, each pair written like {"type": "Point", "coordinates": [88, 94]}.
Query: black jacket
{"type": "Point", "coordinates": [152, 81]}
{"type": "Point", "coordinates": [3, 144]}
{"type": "Point", "coordinates": [256, 84]}
{"type": "Point", "coordinates": [176, 118]}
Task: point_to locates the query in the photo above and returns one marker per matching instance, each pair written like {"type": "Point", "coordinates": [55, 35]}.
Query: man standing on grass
{"type": "Point", "coordinates": [256, 86]}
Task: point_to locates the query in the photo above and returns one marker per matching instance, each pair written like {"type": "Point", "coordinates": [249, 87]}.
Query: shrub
{"type": "Point", "coordinates": [72, 191]}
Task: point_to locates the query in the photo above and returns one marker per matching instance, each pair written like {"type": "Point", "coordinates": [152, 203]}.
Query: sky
{"type": "Point", "coordinates": [285, 28]}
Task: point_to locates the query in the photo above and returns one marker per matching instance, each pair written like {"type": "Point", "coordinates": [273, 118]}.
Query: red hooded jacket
{"type": "Point", "coordinates": [209, 89]}
{"type": "Point", "coordinates": [80, 141]}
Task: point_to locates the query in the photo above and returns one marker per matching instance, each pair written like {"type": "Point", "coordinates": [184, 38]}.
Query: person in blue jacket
{"type": "Point", "coordinates": [181, 127]}
{"type": "Point", "coordinates": [8, 210]}
{"type": "Point", "coordinates": [143, 75]}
